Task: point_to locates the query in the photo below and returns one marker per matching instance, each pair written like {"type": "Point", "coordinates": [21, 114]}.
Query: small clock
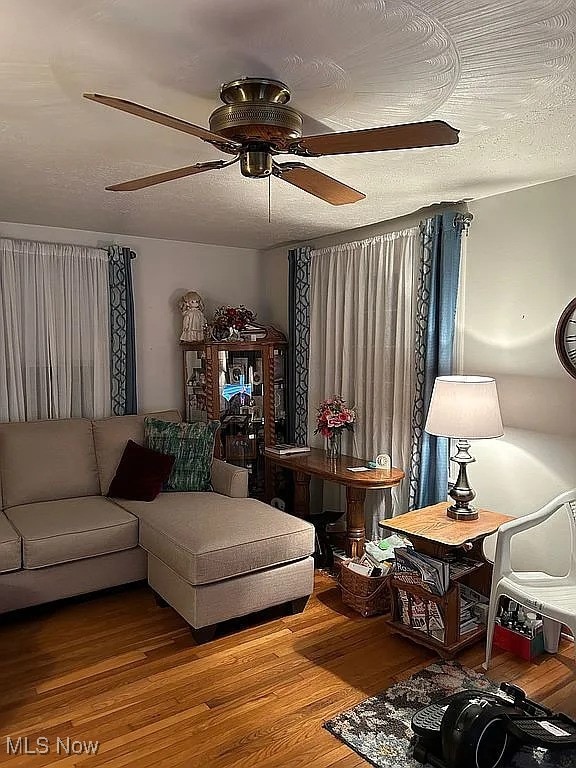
{"type": "Point", "coordinates": [566, 338]}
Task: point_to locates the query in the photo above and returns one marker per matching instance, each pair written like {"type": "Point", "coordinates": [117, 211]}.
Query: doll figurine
{"type": "Point", "coordinates": [193, 320]}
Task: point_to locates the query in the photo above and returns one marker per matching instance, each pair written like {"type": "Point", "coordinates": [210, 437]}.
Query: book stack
{"type": "Point", "coordinates": [283, 449]}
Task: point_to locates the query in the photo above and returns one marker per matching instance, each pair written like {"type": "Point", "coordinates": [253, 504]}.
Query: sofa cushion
{"type": "Point", "coordinates": [111, 436]}
{"type": "Point", "coordinates": [206, 537]}
{"type": "Point", "coordinates": [192, 444]}
{"type": "Point", "coordinates": [10, 547]}
{"type": "Point", "coordinates": [45, 460]}
{"type": "Point", "coordinates": [141, 473]}
{"type": "Point", "coordinates": [71, 529]}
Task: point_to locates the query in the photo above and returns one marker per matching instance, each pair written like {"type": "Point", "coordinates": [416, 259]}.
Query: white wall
{"type": "Point", "coordinates": [520, 274]}
{"type": "Point", "coordinates": [163, 271]}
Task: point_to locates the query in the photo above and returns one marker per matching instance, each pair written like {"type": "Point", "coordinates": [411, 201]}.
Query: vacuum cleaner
{"type": "Point", "coordinates": [477, 729]}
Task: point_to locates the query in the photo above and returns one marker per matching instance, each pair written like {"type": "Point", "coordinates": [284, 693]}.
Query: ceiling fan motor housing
{"type": "Point", "coordinates": [255, 112]}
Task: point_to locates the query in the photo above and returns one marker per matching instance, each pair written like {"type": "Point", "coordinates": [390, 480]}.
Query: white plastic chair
{"type": "Point", "coordinates": [552, 596]}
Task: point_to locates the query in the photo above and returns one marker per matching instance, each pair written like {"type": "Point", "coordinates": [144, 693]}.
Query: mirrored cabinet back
{"type": "Point", "coordinates": [242, 384]}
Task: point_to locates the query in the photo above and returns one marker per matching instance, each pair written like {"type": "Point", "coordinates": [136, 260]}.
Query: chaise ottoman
{"type": "Point", "coordinates": [212, 557]}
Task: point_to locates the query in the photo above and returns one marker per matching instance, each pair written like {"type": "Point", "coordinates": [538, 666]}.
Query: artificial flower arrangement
{"type": "Point", "coordinates": [334, 415]}
{"type": "Point", "coordinates": [233, 317]}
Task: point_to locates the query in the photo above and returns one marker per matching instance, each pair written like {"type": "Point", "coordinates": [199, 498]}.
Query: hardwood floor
{"type": "Point", "coordinates": [122, 671]}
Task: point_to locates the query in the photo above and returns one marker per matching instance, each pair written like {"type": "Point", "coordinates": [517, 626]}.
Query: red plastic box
{"type": "Point", "coordinates": [527, 648]}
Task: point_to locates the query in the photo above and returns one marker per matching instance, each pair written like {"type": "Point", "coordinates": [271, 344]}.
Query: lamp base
{"type": "Point", "coordinates": [461, 493]}
{"type": "Point", "coordinates": [464, 514]}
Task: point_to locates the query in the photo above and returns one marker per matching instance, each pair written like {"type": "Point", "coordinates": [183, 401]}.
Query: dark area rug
{"type": "Point", "coordinates": [378, 729]}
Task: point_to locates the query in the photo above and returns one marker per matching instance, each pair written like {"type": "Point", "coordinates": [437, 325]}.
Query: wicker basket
{"type": "Point", "coordinates": [369, 595]}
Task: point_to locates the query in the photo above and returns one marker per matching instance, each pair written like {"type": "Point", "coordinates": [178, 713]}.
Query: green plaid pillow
{"type": "Point", "coordinates": [192, 445]}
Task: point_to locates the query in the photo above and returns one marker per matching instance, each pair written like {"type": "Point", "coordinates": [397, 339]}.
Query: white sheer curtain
{"type": "Point", "coordinates": [54, 331]}
{"type": "Point", "coordinates": [362, 315]}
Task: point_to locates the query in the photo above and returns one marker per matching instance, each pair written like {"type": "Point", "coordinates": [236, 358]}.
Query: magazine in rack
{"type": "Point", "coordinates": [414, 567]}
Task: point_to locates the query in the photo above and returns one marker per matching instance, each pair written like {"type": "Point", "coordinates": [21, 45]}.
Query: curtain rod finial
{"type": "Point", "coordinates": [462, 222]}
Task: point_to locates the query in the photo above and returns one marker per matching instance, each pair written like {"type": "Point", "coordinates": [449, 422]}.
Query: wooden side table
{"type": "Point", "coordinates": [433, 533]}
{"type": "Point", "coordinates": [316, 463]}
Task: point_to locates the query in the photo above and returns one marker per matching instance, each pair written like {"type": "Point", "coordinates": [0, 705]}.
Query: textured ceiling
{"type": "Point", "coordinates": [502, 71]}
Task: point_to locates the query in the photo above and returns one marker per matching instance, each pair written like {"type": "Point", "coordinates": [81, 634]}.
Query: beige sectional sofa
{"type": "Point", "coordinates": [212, 556]}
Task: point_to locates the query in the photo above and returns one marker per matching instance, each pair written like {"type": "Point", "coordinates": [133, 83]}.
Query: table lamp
{"type": "Point", "coordinates": [464, 408]}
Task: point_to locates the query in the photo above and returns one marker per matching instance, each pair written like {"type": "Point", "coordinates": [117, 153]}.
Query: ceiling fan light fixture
{"type": "Point", "coordinates": [256, 162]}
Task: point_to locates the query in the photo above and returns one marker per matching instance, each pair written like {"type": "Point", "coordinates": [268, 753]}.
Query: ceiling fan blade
{"type": "Point", "coordinates": [409, 136]}
{"type": "Point", "coordinates": [160, 178]}
{"type": "Point", "coordinates": [163, 119]}
{"type": "Point", "coordinates": [317, 183]}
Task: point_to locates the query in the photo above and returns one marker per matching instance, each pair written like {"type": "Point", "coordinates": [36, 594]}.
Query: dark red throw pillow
{"type": "Point", "coordinates": [141, 473]}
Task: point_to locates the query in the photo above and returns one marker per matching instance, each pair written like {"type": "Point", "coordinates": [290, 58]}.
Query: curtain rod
{"type": "Point", "coordinates": [367, 231]}
{"type": "Point", "coordinates": [73, 245]}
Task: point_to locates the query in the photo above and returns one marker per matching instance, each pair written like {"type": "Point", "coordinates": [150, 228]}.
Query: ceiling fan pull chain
{"type": "Point", "coordinates": [269, 199]}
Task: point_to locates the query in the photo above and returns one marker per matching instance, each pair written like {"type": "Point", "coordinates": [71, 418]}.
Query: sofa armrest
{"type": "Point", "coordinates": [229, 480]}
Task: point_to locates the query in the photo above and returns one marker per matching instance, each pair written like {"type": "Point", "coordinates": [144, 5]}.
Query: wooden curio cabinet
{"type": "Point", "coordinates": [242, 384]}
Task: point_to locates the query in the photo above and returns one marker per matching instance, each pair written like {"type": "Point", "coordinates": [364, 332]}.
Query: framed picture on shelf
{"type": "Point", "coordinates": [237, 373]}
{"type": "Point", "coordinates": [240, 363]}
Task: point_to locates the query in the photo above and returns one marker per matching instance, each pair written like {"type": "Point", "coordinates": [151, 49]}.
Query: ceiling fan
{"type": "Point", "coordinates": [255, 125]}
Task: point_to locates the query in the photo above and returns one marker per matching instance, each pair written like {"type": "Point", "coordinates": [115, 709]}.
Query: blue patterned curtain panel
{"type": "Point", "coordinates": [435, 325]}
{"type": "Point", "coordinates": [122, 331]}
{"type": "Point", "coordinates": [298, 343]}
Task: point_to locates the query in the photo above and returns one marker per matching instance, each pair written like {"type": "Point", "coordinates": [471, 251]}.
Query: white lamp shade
{"type": "Point", "coordinates": [464, 407]}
